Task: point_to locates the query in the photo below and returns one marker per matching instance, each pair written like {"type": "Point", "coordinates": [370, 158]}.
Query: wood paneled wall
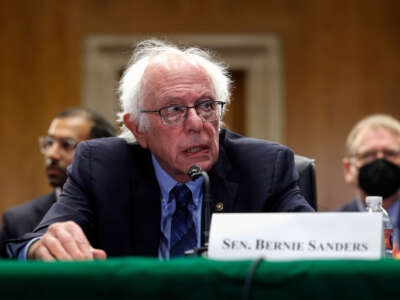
{"type": "Point", "coordinates": [341, 62]}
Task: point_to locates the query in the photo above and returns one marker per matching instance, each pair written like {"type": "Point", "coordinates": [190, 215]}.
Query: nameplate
{"type": "Point", "coordinates": [296, 236]}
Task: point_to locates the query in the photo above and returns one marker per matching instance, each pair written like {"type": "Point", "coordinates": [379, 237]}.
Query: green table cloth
{"type": "Point", "coordinates": [199, 278]}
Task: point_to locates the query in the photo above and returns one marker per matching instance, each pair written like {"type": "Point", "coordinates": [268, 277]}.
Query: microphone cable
{"type": "Point", "coordinates": [249, 278]}
{"type": "Point", "coordinates": [194, 172]}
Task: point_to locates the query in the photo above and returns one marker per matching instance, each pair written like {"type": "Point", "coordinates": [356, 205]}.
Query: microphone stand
{"type": "Point", "coordinates": [194, 172]}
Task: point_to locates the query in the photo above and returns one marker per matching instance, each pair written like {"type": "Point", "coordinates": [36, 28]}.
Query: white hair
{"type": "Point", "coordinates": [131, 84]}
{"type": "Point", "coordinates": [372, 122]}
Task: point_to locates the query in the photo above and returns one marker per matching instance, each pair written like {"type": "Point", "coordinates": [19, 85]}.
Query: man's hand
{"type": "Point", "coordinates": [64, 241]}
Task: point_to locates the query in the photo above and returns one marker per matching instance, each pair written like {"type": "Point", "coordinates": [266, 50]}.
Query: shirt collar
{"type": "Point", "coordinates": [57, 191]}
{"type": "Point", "coordinates": [166, 182]}
{"type": "Point", "coordinates": [359, 204]}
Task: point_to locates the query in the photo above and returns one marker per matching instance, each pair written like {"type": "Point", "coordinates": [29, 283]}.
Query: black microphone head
{"type": "Point", "coordinates": [194, 172]}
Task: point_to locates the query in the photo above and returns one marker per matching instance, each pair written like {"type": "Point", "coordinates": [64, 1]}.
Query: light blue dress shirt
{"type": "Point", "coordinates": [166, 183]}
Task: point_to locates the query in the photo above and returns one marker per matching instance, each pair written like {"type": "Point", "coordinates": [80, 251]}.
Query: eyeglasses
{"type": "Point", "coordinates": [174, 115]}
{"type": "Point", "coordinates": [66, 145]}
{"type": "Point", "coordinates": [370, 156]}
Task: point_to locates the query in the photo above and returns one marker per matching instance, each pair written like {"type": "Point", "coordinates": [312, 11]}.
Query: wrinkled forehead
{"type": "Point", "coordinates": [172, 61]}
{"type": "Point", "coordinates": [174, 69]}
{"type": "Point", "coordinates": [164, 65]}
{"type": "Point", "coordinates": [374, 138]}
{"type": "Point", "coordinates": [76, 127]}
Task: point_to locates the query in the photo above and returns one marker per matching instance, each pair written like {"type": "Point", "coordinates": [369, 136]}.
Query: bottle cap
{"type": "Point", "coordinates": [373, 200]}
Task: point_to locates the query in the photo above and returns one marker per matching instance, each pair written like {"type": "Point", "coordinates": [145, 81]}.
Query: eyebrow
{"type": "Point", "coordinates": [61, 138]}
{"type": "Point", "coordinates": [177, 100]}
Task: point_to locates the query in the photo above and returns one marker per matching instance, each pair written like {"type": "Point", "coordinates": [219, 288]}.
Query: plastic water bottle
{"type": "Point", "coordinates": [374, 204]}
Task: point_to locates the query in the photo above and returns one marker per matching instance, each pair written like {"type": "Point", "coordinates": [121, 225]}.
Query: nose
{"type": "Point", "coordinates": [53, 151]}
{"type": "Point", "coordinates": [193, 121]}
{"type": "Point", "coordinates": [380, 154]}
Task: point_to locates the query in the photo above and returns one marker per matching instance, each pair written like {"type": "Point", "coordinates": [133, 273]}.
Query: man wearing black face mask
{"type": "Point", "coordinates": [372, 164]}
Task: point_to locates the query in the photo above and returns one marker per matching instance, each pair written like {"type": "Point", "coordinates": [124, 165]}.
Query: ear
{"type": "Point", "coordinates": [349, 171]}
{"type": "Point", "coordinates": [133, 126]}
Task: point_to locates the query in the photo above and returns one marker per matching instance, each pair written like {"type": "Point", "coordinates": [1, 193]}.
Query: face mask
{"type": "Point", "coordinates": [379, 178]}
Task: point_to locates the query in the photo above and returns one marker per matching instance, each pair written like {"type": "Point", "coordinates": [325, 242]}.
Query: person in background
{"type": "Point", "coordinates": [127, 198]}
{"type": "Point", "coordinates": [372, 164]}
{"type": "Point", "coordinates": [67, 129]}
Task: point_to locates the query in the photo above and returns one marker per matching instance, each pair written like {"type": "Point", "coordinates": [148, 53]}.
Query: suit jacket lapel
{"type": "Point", "coordinates": [43, 206]}
{"type": "Point", "coordinates": [146, 206]}
{"type": "Point", "coordinates": [223, 184]}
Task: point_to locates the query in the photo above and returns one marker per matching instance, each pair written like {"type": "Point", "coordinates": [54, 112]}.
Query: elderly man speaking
{"type": "Point", "coordinates": [132, 195]}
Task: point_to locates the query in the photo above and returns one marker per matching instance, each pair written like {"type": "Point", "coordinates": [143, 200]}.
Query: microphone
{"type": "Point", "coordinates": [194, 172]}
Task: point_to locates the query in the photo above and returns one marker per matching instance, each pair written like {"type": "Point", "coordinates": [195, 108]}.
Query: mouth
{"type": "Point", "coordinates": [201, 149]}
{"type": "Point", "coordinates": [54, 170]}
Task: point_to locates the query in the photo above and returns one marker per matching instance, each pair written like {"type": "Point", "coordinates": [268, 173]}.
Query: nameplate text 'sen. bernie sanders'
{"type": "Point", "coordinates": [291, 236]}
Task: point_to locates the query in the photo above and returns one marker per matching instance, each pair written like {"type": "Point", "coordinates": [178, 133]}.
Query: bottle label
{"type": "Point", "coordinates": [388, 239]}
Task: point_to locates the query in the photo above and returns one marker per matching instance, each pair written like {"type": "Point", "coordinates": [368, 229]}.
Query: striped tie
{"type": "Point", "coordinates": [183, 232]}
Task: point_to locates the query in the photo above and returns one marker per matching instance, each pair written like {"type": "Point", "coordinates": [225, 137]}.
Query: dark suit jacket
{"type": "Point", "coordinates": [351, 206]}
{"type": "Point", "coordinates": [113, 194]}
{"type": "Point", "coordinates": [24, 218]}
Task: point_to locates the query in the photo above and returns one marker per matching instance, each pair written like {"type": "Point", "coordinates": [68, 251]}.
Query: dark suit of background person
{"type": "Point", "coordinates": [372, 164]}
{"type": "Point", "coordinates": [76, 124]}
{"type": "Point", "coordinates": [120, 206]}
{"type": "Point", "coordinates": [24, 218]}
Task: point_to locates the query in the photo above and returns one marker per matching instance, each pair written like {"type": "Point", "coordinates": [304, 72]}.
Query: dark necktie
{"type": "Point", "coordinates": [183, 232]}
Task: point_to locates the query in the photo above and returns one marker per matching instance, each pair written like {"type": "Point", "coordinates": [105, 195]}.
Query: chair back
{"type": "Point", "coordinates": [306, 168]}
